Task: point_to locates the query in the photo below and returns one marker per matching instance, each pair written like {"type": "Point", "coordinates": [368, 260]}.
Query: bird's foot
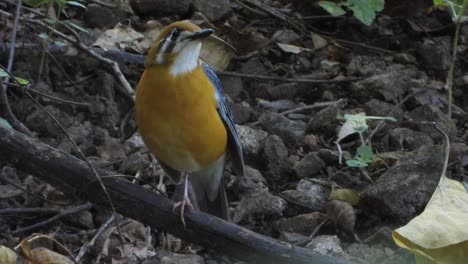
{"type": "Point", "coordinates": [185, 202]}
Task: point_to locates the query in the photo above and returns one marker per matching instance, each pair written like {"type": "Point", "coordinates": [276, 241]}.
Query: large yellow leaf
{"type": "Point", "coordinates": [440, 233]}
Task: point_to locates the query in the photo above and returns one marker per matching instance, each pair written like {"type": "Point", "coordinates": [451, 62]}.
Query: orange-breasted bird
{"type": "Point", "coordinates": [184, 119]}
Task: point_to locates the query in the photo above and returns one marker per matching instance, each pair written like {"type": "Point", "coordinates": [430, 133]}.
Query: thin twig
{"type": "Point", "coordinates": [11, 55]}
{"type": "Point", "coordinates": [84, 249]}
{"type": "Point", "coordinates": [54, 218]}
{"type": "Point", "coordinates": [282, 79]}
{"type": "Point", "coordinates": [39, 210]}
{"type": "Point", "coordinates": [454, 59]}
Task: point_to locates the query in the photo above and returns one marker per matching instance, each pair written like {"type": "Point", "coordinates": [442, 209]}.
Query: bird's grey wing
{"type": "Point", "coordinates": [234, 144]}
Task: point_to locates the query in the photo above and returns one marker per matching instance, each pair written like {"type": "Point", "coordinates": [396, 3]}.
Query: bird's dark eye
{"type": "Point", "coordinates": [175, 33]}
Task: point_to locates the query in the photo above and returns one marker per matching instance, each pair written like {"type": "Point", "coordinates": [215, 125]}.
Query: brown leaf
{"type": "Point", "coordinates": [342, 214]}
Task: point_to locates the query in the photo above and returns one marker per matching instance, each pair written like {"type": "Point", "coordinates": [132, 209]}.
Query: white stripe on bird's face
{"type": "Point", "coordinates": [187, 59]}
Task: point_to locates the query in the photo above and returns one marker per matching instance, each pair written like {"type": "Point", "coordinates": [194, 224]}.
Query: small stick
{"type": "Point", "coordinates": [54, 218]}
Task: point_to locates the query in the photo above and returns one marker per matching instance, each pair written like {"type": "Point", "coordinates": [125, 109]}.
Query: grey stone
{"type": "Point", "coordinates": [283, 91]}
{"type": "Point", "coordinates": [101, 16]}
{"type": "Point", "coordinates": [303, 224]}
{"type": "Point", "coordinates": [251, 140]}
{"type": "Point", "coordinates": [242, 113]}
{"type": "Point", "coordinates": [292, 132]}
{"type": "Point", "coordinates": [377, 107]}
{"type": "Point", "coordinates": [308, 194]}
{"type": "Point", "coordinates": [286, 36]}
{"type": "Point", "coordinates": [403, 191]}
{"type": "Point", "coordinates": [405, 138]}
{"type": "Point", "coordinates": [258, 203]}
{"type": "Point", "coordinates": [325, 120]}
{"type": "Point", "coordinates": [435, 55]}
{"type": "Point", "coordinates": [326, 245]}
{"type": "Point", "coordinates": [182, 259]}
{"type": "Point", "coordinates": [367, 253]}
{"type": "Point", "coordinates": [309, 166]}
{"type": "Point", "coordinates": [213, 10]}
{"type": "Point", "coordinates": [251, 181]}
{"type": "Point", "coordinates": [276, 155]}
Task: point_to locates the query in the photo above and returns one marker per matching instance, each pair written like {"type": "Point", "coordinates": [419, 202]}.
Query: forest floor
{"type": "Point", "coordinates": [306, 163]}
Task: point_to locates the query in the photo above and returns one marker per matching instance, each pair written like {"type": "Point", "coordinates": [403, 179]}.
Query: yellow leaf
{"type": "Point", "coordinates": [7, 255]}
{"type": "Point", "coordinates": [347, 195]}
{"type": "Point", "coordinates": [440, 233]}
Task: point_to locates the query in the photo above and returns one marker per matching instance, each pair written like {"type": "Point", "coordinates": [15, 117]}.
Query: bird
{"type": "Point", "coordinates": [183, 118]}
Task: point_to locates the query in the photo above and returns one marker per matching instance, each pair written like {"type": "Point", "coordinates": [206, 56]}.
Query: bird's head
{"type": "Point", "coordinates": [178, 47]}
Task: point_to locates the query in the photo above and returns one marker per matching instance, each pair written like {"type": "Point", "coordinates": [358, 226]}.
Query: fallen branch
{"type": "Point", "coordinates": [73, 176]}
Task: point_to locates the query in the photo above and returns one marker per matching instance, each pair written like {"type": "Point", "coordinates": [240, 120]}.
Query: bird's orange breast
{"type": "Point", "coordinates": [178, 120]}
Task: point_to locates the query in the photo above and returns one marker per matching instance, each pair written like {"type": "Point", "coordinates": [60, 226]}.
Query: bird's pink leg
{"type": "Point", "coordinates": [185, 202]}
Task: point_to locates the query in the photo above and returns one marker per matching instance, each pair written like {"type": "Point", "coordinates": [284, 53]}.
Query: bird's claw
{"type": "Point", "coordinates": [185, 202]}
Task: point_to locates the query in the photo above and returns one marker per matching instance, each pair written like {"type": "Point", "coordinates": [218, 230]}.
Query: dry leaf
{"type": "Point", "coordinates": [119, 38]}
{"type": "Point", "coordinates": [291, 48]}
{"type": "Point", "coordinates": [342, 214]}
{"type": "Point", "coordinates": [440, 233]}
{"type": "Point", "coordinates": [217, 53]}
{"type": "Point", "coordinates": [46, 256]}
{"type": "Point", "coordinates": [347, 195]}
{"type": "Point", "coordinates": [318, 41]}
{"type": "Point", "coordinates": [348, 128]}
{"type": "Point", "coordinates": [7, 255]}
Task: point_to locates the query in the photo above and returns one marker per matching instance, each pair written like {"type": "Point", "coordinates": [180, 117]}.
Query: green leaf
{"type": "Point", "coordinates": [356, 163]}
{"type": "Point", "coordinates": [44, 36]}
{"type": "Point", "coordinates": [365, 153]}
{"type": "Point", "coordinates": [365, 10]}
{"type": "Point", "coordinates": [75, 3]}
{"type": "Point", "coordinates": [21, 81]}
{"type": "Point", "coordinates": [332, 8]}
{"type": "Point", "coordinates": [4, 123]}
{"type": "Point", "coordinates": [60, 43]}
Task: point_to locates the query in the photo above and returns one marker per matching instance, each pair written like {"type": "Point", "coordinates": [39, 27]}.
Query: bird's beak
{"type": "Point", "coordinates": [201, 34]}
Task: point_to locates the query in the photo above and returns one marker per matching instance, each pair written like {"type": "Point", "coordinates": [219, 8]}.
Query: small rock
{"type": "Point", "coordinates": [332, 67]}
{"type": "Point", "coordinates": [406, 138]}
{"type": "Point", "coordinates": [430, 113]}
{"type": "Point", "coordinates": [329, 157]}
{"type": "Point", "coordinates": [133, 163]}
{"type": "Point", "coordinates": [251, 181]}
{"type": "Point", "coordinates": [82, 219]}
{"type": "Point", "coordinates": [160, 8]}
{"type": "Point", "coordinates": [376, 107]}
{"type": "Point", "coordinates": [309, 166]}
{"type": "Point", "coordinates": [242, 113]}
{"type": "Point", "coordinates": [308, 194]}
{"type": "Point", "coordinates": [276, 156]}
{"type": "Point", "coordinates": [435, 55]}
{"type": "Point", "coordinates": [253, 66]}
{"type": "Point", "coordinates": [278, 105]}
{"type": "Point", "coordinates": [258, 203]}
{"type": "Point", "coordinates": [182, 259]}
{"type": "Point", "coordinates": [292, 132]}
{"type": "Point", "coordinates": [366, 66]}
{"type": "Point", "coordinates": [292, 238]}
{"type": "Point", "coordinates": [40, 122]}
{"type": "Point", "coordinates": [383, 236]}
{"type": "Point", "coordinates": [367, 253]}
{"type": "Point", "coordinates": [457, 150]}
{"type": "Point", "coordinates": [101, 16]}
{"type": "Point", "coordinates": [391, 84]}
{"type": "Point", "coordinates": [111, 149]}
{"type": "Point", "coordinates": [283, 91]}
{"type": "Point", "coordinates": [251, 140]}
{"type": "Point", "coordinates": [303, 224]}
{"type": "Point", "coordinates": [325, 120]}
{"type": "Point", "coordinates": [326, 245]}
{"type": "Point", "coordinates": [311, 141]}
{"type": "Point", "coordinates": [233, 86]}
{"type": "Point", "coordinates": [403, 191]}
{"type": "Point", "coordinates": [213, 10]}
{"type": "Point", "coordinates": [286, 36]}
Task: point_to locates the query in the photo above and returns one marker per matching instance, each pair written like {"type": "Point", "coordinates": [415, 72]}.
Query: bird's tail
{"type": "Point", "coordinates": [208, 186]}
